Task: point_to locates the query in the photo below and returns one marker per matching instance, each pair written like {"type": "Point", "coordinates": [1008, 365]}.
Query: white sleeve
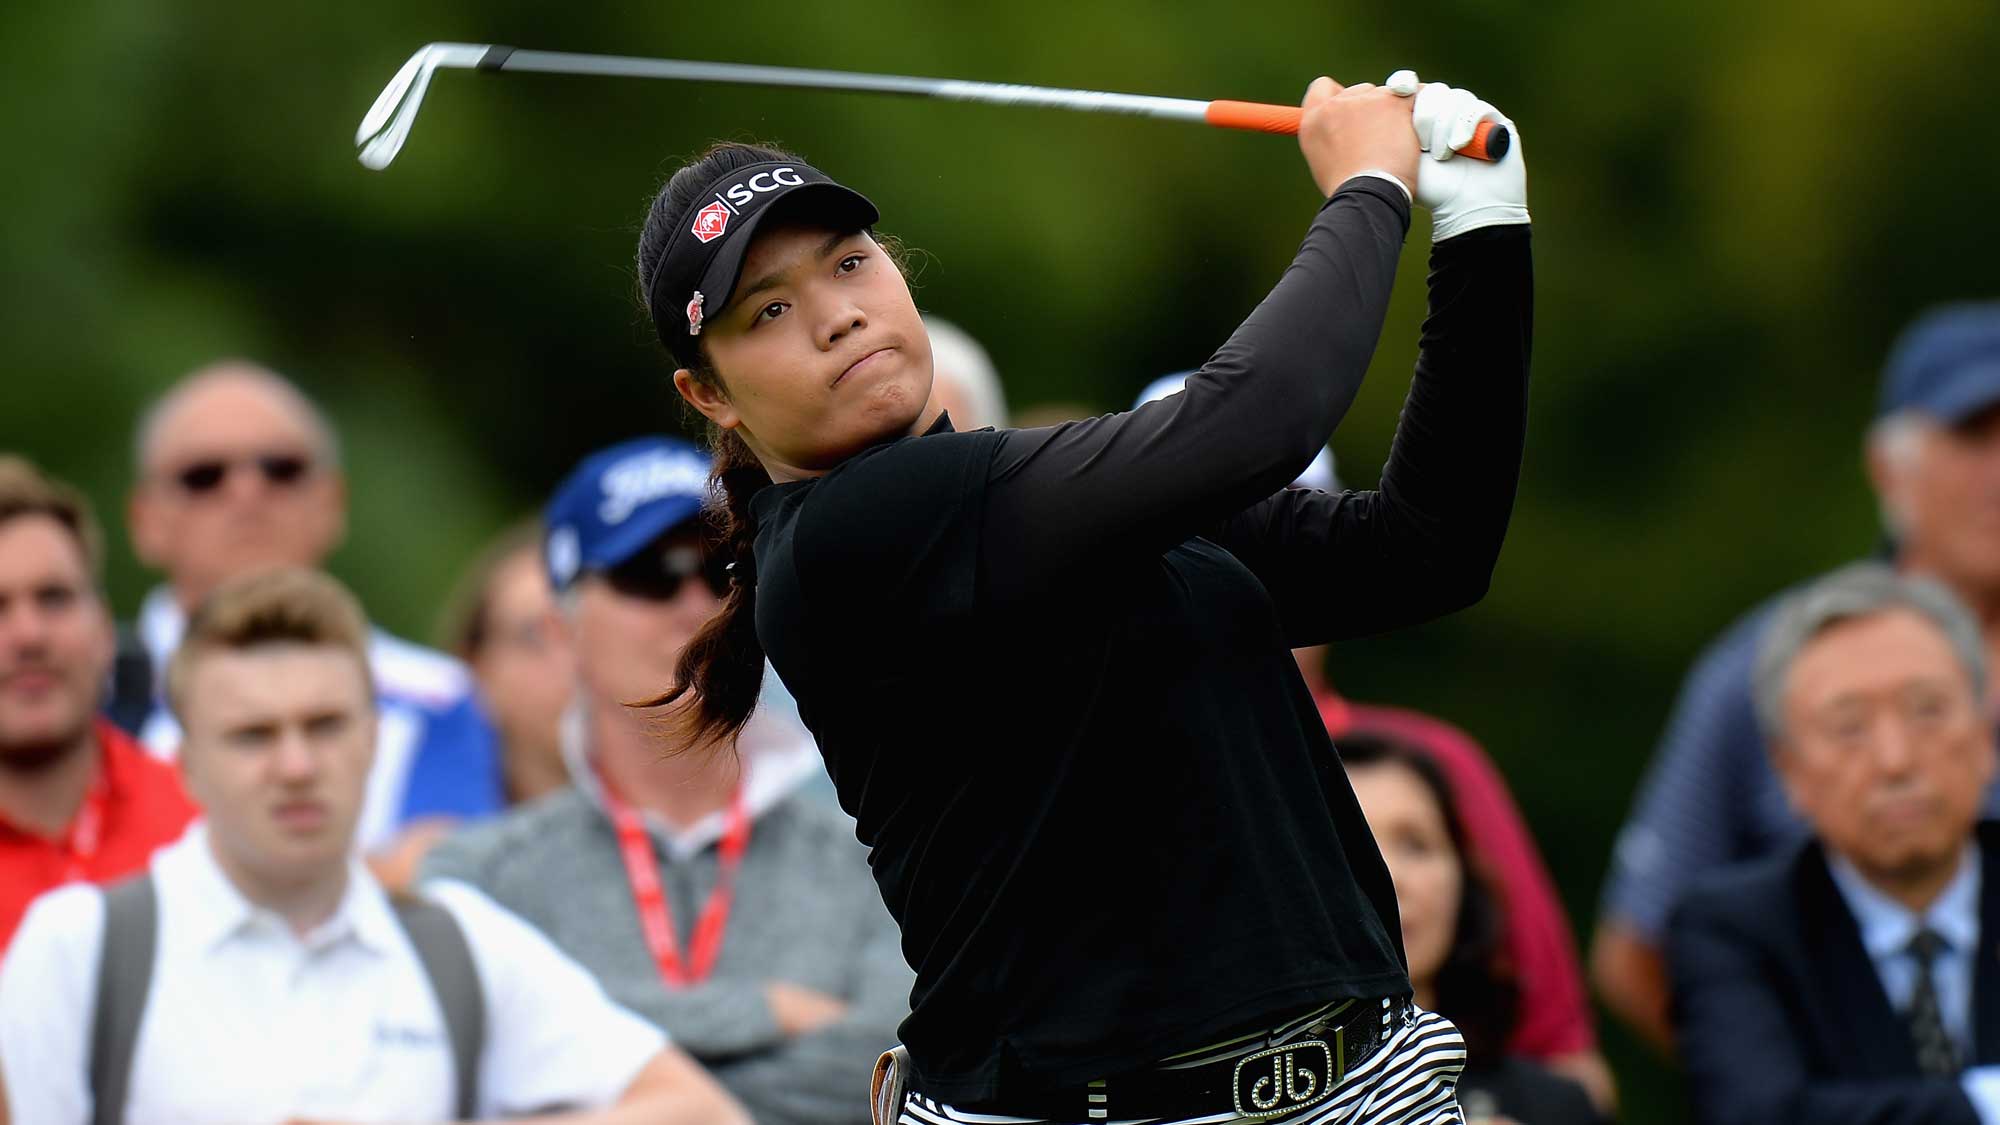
{"type": "Point", "coordinates": [553, 1038]}
{"type": "Point", "coordinates": [48, 993]}
{"type": "Point", "coordinates": [1982, 1088]}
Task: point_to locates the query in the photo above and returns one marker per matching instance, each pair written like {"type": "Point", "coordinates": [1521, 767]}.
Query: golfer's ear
{"type": "Point", "coordinates": [707, 398]}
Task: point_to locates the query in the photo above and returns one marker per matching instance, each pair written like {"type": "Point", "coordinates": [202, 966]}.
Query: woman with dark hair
{"type": "Point", "coordinates": [1453, 930]}
{"type": "Point", "coordinates": [500, 621]}
{"type": "Point", "coordinates": [1139, 888]}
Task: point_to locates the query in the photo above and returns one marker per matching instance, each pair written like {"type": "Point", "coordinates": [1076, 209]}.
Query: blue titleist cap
{"type": "Point", "coordinates": [1947, 364]}
{"type": "Point", "coordinates": [617, 501]}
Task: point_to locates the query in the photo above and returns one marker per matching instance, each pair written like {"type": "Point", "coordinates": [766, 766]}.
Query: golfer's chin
{"type": "Point", "coordinates": [902, 404]}
{"type": "Point", "coordinates": [889, 410]}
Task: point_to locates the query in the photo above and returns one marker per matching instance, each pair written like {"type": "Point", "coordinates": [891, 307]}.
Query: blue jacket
{"type": "Point", "coordinates": [1781, 1017]}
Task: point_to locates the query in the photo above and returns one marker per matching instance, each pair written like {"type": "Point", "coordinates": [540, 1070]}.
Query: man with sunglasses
{"type": "Point", "coordinates": [239, 472]}
{"type": "Point", "coordinates": [711, 893]}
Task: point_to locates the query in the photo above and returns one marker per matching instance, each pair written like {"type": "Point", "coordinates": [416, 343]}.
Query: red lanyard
{"type": "Point", "coordinates": [655, 916]}
{"type": "Point", "coordinates": [86, 832]}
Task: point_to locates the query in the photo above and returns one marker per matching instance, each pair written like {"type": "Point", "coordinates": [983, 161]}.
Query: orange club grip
{"type": "Point", "coordinates": [1490, 139]}
{"type": "Point", "coordinates": [1255, 116]}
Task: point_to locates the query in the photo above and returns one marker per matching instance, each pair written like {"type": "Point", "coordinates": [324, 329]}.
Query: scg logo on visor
{"type": "Point", "coordinates": [739, 194]}
{"type": "Point", "coordinates": [711, 221]}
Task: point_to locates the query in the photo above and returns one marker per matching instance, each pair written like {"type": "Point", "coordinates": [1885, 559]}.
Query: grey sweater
{"type": "Point", "coordinates": [806, 911]}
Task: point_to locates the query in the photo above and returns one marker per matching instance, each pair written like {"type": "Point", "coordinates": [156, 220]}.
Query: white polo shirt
{"type": "Point", "coordinates": [248, 1023]}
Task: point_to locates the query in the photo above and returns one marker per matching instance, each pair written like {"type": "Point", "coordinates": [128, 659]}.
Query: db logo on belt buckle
{"type": "Point", "coordinates": [1281, 1079]}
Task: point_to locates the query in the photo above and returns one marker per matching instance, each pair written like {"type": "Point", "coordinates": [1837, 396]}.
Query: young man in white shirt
{"type": "Point", "coordinates": [281, 982]}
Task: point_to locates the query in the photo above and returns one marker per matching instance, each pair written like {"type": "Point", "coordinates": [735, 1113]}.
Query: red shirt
{"type": "Point", "coordinates": [1555, 1016]}
{"type": "Point", "coordinates": [134, 805]}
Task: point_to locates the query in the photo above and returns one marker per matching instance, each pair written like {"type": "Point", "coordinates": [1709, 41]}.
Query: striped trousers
{"type": "Point", "coordinates": [1412, 1079]}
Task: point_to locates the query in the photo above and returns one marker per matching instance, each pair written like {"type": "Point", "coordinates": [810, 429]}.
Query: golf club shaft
{"type": "Point", "coordinates": [1254, 116]}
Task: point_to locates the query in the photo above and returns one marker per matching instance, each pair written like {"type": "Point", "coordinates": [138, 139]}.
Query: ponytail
{"type": "Point", "coordinates": [721, 671]}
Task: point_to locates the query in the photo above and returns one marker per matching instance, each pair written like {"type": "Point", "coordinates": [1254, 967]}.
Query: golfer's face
{"type": "Point", "coordinates": [820, 349]}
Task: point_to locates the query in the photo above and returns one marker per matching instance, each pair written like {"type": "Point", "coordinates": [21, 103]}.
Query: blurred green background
{"type": "Point", "coordinates": [1736, 208]}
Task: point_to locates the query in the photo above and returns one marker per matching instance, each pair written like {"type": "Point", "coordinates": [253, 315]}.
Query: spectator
{"type": "Point", "coordinates": [964, 380]}
{"type": "Point", "coordinates": [1850, 979]}
{"type": "Point", "coordinates": [712, 896]}
{"type": "Point", "coordinates": [257, 972]}
{"type": "Point", "coordinates": [1554, 1024]}
{"type": "Point", "coordinates": [1710, 797]}
{"type": "Point", "coordinates": [79, 801]}
{"type": "Point", "coordinates": [502, 625]}
{"type": "Point", "coordinates": [1454, 933]}
{"type": "Point", "coordinates": [239, 472]}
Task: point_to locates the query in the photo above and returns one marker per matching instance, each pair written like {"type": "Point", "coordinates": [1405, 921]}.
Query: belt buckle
{"type": "Point", "coordinates": [1278, 1080]}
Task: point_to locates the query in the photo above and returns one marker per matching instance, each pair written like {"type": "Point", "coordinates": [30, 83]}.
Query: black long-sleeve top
{"type": "Point", "coordinates": [1049, 669]}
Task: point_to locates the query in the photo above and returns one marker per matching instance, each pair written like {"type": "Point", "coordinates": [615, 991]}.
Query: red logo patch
{"type": "Point", "coordinates": [694, 314]}
{"type": "Point", "coordinates": [710, 222]}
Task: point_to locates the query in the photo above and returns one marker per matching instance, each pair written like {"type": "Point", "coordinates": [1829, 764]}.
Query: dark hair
{"type": "Point", "coordinates": [1476, 989]}
{"type": "Point", "coordinates": [466, 624]}
{"type": "Point", "coordinates": [721, 671]}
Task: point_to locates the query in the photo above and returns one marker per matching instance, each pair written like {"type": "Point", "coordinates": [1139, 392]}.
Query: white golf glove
{"type": "Point", "coordinates": [1462, 194]}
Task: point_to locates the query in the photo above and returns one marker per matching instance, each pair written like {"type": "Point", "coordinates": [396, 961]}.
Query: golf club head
{"type": "Point", "coordinates": [387, 123]}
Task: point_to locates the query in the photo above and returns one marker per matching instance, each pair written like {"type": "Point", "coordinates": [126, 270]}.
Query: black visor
{"type": "Point", "coordinates": [704, 258]}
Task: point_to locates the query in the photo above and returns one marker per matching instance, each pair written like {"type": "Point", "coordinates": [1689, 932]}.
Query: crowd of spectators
{"type": "Point", "coordinates": [389, 883]}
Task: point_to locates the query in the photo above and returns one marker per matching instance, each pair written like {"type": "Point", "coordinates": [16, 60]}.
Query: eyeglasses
{"type": "Point", "coordinates": [656, 573]}
{"type": "Point", "coordinates": [280, 470]}
{"type": "Point", "coordinates": [1922, 711]}
{"type": "Point", "coordinates": [531, 636]}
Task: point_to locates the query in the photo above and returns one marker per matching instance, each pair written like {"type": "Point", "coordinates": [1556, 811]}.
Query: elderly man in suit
{"type": "Point", "coordinates": [1857, 978]}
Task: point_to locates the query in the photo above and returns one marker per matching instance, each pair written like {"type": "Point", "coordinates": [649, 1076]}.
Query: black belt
{"type": "Point", "coordinates": [1260, 1079]}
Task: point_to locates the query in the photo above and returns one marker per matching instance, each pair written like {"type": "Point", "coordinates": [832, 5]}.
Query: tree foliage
{"type": "Point", "coordinates": [1737, 206]}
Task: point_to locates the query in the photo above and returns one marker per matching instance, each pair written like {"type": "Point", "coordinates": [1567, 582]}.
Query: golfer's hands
{"type": "Point", "coordinates": [1347, 131]}
{"type": "Point", "coordinates": [1462, 193]}
{"type": "Point", "coordinates": [800, 1010]}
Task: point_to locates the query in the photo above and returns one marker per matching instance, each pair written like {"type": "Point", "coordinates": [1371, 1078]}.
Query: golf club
{"type": "Point", "coordinates": [386, 126]}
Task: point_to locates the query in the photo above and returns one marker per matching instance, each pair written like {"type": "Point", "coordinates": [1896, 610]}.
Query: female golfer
{"type": "Point", "coordinates": [1049, 669]}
